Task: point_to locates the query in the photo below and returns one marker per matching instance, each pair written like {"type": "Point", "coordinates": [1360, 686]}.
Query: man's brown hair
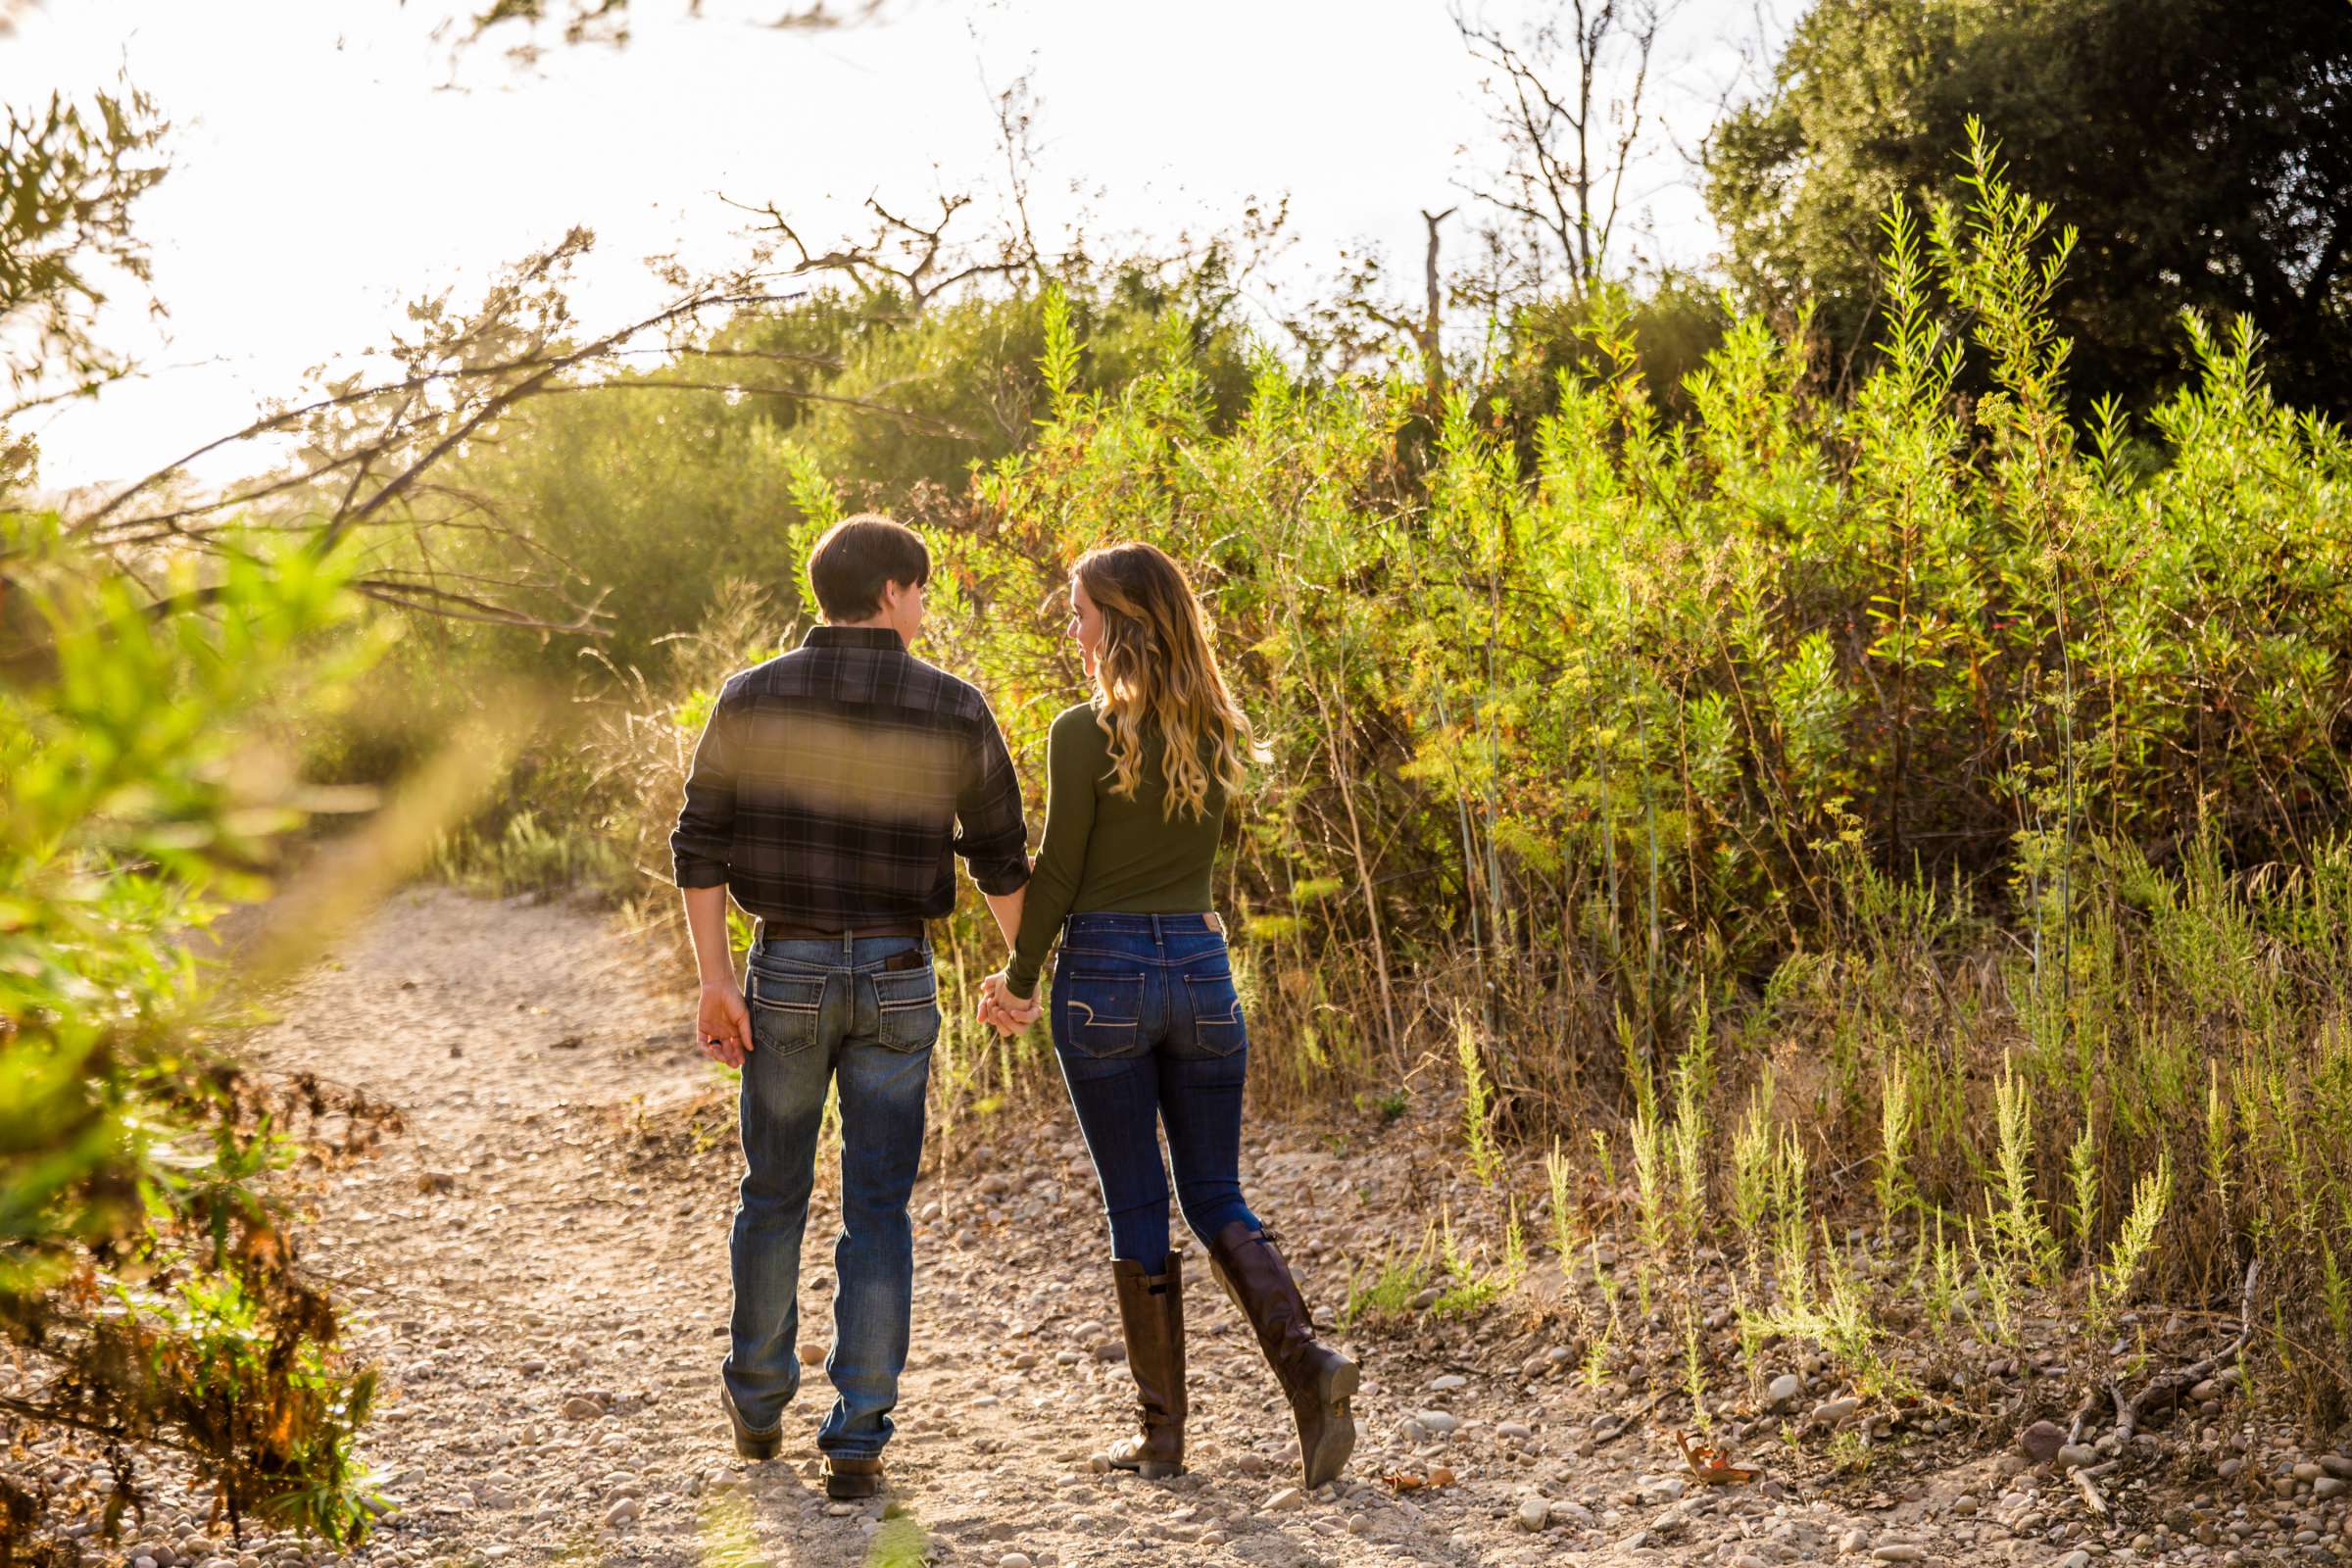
{"type": "Point", "coordinates": [857, 557]}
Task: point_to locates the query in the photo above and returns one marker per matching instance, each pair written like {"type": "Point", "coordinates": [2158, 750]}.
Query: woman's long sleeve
{"type": "Point", "coordinates": [1075, 756]}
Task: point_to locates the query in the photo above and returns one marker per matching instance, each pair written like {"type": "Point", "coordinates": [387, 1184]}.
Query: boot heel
{"type": "Point", "coordinates": [1335, 1436]}
{"type": "Point", "coordinates": [1334, 1443]}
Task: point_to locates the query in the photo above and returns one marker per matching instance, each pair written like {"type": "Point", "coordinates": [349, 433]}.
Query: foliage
{"type": "Point", "coordinates": [1677, 729]}
{"type": "Point", "coordinates": [1854, 776]}
{"type": "Point", "coordinates": [143, 1269]}
{"type": "Point", "coordinates": [71, 173]}
{"type": "Point", "coordinates": [2202, 147]}
{"type": "Point", "coordinates": [598, 489]}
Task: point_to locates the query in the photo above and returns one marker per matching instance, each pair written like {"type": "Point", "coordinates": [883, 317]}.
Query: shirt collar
{"type": "Point", "coordinates": [880, 638]}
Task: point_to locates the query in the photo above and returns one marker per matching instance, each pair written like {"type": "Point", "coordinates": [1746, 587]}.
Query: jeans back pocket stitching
{"type": "Point", "coordinates": [776, 1004]}
{"type": "Point", "coordinates": [919, 1003]}
{"type": "Point", "coordinates": [1089, 1021]}
{"type": "Point", "coordinates": [1233, 1014]}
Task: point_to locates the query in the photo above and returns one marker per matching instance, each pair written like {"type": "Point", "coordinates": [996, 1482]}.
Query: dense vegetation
{"type": "Point", "coordinates": [1861, 755]}
{"type": "Point", "coordinates": [1850, 777]}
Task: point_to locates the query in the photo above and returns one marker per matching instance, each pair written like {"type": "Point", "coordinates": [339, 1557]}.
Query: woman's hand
{"type": "Point", "coordinates": [1002, 1010]}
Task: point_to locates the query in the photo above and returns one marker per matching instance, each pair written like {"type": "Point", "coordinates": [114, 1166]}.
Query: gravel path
{"type": "Point", "coordinates": [538, 1264]}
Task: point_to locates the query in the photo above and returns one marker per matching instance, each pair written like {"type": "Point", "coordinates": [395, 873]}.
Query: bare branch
{"type": "Point", "coordinates": [1569, 147]}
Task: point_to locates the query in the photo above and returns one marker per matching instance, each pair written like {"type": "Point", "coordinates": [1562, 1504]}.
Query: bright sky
{"type": "Point", "coordinates": [331, 161]}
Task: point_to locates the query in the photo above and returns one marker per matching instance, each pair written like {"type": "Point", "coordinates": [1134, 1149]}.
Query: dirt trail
{"type": "Point", "coordinates": [546, 1292]}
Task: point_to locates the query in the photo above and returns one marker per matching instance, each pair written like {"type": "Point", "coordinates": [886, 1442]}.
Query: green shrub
{"type": "Point", "coordinates": [143, 1271]}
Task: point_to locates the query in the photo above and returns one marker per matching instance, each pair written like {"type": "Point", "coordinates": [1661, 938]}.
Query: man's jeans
{"type": "Point", "coordinates": [831, 1013]}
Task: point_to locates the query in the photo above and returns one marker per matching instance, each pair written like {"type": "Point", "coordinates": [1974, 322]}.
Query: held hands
{"type": "Point", "coordinates": [722, 1024]}
{"type": "Point", "coordinates": [1006, 1012]}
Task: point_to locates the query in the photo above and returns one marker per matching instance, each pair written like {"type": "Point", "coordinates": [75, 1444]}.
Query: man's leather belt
{"type": "Point", "coordinates": [786, 931]}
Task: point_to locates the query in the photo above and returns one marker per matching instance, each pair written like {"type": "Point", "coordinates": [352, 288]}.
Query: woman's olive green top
{"type": "Point", "coordinates": [1105, 852]}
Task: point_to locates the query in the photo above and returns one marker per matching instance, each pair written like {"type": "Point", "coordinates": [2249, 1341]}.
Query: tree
{"type": "Point", "coordinates": [2202, 148]}
{"type": "Point", "coordinates": [1569, 141]}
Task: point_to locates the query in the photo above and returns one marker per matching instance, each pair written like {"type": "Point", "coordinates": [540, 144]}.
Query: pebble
{"type": "Point", "coordinates": [1834, 1411]}
{"type": "Point", "coordinates": [1014, 1559]}
{"type": "Point", "coordinates": [1438, 1421]}
{"type": "Point", "coordinates": [1283, 1502]}
{"type": "Point", "coordinates": [580, 1408]}
{"type": "Point", "coordinates": [1899, 1552]}
{"type": "Point", "coordinates": [1447, 1383]}
{"type": "Point", "coordinates": [621, 1512]}
{"type": "Point", "coordinates": [1534, 1514]}
{"type": "Point", "coordinates": [2041, 1440]}
{"type": "Point", "coordinates": [1784, 1390]}
{"type": "Point", "coordinates": [2077, 1558]}
{"type": "Point", "coordinates": [2329, 1487]}
{"type": "Point", "coordinates": [1516, 1431]}
{"type": "Point", "coordinates": [2075, 1456]}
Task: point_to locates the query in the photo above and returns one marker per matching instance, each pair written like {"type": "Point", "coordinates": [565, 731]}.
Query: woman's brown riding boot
{"type": "Point", "coordinates": [1151, 1315]}
{"type": "Point", "coordinates": [1317, 1380]}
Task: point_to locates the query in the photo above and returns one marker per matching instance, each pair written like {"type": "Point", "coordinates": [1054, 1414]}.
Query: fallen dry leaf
{"type": "Point", "coordinates": [1403, 1481]}
{"type": "Point", "coordinates": [1440, 1476]}
{"type": "Point", "coordinates": [1711, 1466]}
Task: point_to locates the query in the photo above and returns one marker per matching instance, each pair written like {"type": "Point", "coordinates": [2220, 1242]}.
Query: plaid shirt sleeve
{"type": "Point", "coordinates": [992, 836]}
{"type": "Point", "coordinates": [700, 843]}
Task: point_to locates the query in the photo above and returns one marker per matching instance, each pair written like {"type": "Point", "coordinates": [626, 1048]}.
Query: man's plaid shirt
{"type": "Point", "coordinates": [833, 783]}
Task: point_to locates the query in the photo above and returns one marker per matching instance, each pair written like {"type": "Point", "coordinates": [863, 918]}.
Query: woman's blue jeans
{"type": "Point", "coordinates": [861, 1016]}
{"type": "Point", "coordinates": [1148, 1031]}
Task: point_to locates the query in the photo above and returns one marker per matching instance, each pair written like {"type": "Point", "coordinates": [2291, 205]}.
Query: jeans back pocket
{"type": "Point", "coordinates": [1101, 1013]}
{"type": "Point", "coordinates": [1215, 1010]}
{"type": "Point", "coordinates": [786, 1010]}
{"type": "Point", "coordinates": [906, 1008]}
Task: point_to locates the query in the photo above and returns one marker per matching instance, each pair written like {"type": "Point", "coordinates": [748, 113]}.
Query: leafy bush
{"type": "Point", "coordinates": [146, 1281]}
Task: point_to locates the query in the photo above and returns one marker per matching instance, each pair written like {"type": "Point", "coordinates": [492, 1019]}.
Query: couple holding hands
{"type": "Point", "coordinates": [830, 790]}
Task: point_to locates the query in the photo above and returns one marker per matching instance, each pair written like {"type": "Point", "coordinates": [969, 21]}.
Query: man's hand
{"type": "Point", "coordinates": [1003, 1011]}
{"type": "Point", "coordinates": [723, 1025]}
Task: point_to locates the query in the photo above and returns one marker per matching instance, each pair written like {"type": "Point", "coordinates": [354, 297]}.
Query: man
{"type": "Point", "coordinates": [829, 790]}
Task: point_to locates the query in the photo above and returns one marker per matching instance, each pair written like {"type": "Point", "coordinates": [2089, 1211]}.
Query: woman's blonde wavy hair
{"type": "Point", "coordinates": [1153, 662]}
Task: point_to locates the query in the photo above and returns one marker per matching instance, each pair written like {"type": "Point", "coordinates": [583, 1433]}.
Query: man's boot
{"type": "Point", "coordinates": [1151, 1315]}
{"type": "Point", "coordinates": [1317, 1380]}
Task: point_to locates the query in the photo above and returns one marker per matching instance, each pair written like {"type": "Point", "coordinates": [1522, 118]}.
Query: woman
{"type": "Point", "coordinates": [1146, 1022]}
